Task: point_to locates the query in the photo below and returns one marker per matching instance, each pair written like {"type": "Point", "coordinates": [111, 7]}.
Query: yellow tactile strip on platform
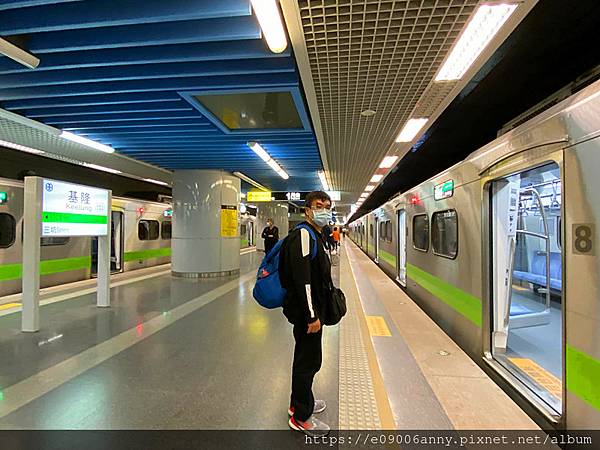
{"type": "Point", "coordinates": [377, 326]}
{"type": "Point", "coordinates": [540, 375]}
{"type": "Point", "coordinates": [9, 305]}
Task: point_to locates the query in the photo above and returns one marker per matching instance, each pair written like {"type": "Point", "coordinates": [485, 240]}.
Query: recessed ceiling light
{"type": "Point", "coordinates": [369, 188]}
{"type": "Point", "coordinates": [411, 129]}
{"type": "Point", "coordinates": [323, 179]}
{"type": "Point", "coordinates": [367, 113]}
{"type": "Point", "coordinates": [388, 162]}
{"type": "Point", "coordinates": [20, 147]}
{"type": "Point", "coordinates": [376, 178]}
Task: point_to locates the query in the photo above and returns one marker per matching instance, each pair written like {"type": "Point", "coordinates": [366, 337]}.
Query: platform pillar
{"type": "Point", "coordinates": [206, 240]}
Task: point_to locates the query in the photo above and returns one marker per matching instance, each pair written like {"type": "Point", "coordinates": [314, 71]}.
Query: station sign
{"type": "Point", "coordinates": [229, 221]}
{"type": "Point", "coordinates": [168, 213]}
{"type": "Point", "coordinates": [443, 190]}
{"type": "Point", "coordinates": [259, 196]}
{"type": "Point", "coordinates": [3, 198]}
{"type": "Point", "coordinates": [73, 209]}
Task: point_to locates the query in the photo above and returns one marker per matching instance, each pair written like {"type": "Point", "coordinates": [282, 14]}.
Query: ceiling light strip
{"type": "Point", "coordinates": [18, 54]}
{"type": "Point", "coordinates": [20, 147]}
{"type": "Point", "coordinates": [247, 179]}
{"type": "Point", "coordinates": [323, 179]}
{"type": "Point", "coordinates": [482, 27]}
{"type": "Point", "coordinates": [86, 142]}
{"type": "Point", "coordinates": [271, 24]}
{"type": "Point", "coordinates": [262, 154]}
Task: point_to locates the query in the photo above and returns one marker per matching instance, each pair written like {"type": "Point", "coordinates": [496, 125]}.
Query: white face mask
{"type": "Point", "coordinates": [322, 217]}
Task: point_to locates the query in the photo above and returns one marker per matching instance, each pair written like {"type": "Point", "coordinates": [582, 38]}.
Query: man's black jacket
{"type": "Point", "coordinates": [305, 280]}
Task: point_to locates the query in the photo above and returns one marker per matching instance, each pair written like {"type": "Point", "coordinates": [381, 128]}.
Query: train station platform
{"type": "Point", "coordinates": [188, 354]}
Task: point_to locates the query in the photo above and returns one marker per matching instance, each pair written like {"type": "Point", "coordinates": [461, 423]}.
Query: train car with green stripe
{"type": "Point", "coordinates": [501, 250]}
{"type": "Point", "coordinates": [141, 237]}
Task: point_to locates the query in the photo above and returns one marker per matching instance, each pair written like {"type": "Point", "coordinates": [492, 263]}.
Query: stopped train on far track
{"type": "Point", "coordinates": [501, 250]}
{"type": "Point", "coordinates": [141, 237]}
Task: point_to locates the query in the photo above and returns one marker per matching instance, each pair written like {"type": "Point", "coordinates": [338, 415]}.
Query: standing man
{"type": "Point", "coordinates": [336, 237]}
{"type": "Point", "coordinates": [306, 279]}
{"type": "Point", "coordinates": [271, 235]}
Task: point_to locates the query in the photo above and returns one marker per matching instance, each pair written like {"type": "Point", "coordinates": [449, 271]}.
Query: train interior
{"type": "Point", "coordinates": [116, 245]}
{"type": "Point", "coordinates": [527, 286]}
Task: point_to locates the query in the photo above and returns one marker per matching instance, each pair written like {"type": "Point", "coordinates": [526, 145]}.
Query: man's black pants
{"type": "Point", "coordinates": [307, 362]}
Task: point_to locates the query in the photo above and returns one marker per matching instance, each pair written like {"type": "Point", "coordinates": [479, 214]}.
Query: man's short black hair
{"type": "Point", "coordinates": [313, 196]}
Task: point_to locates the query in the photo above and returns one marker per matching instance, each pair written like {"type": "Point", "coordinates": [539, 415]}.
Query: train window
{"type": "Point", "coordinates": [54, 240]}
{"type": "Point", "coordinates": [165, 229]}
{"type": "Point", "coordinates": [421, 232]}
{"type": "Point", "coordinates": [444, 233]}
{"type": "Point", "coordinates": [243, 230]}
{"type": "Point", "coordinates": [388, 232]}
{"type": "Point", "coordinates": [371, 229]}
{"type": "Point", "coordinates": [382, 231]}
{"type": "Point", "coordinates": [8, 227]}
{"type": "Point", "coordinates": [148, 230]}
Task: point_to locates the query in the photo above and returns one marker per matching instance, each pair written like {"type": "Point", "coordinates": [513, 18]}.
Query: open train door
{"type": "Point", "coordinates": [116, 245]}
{"type": "Point", "coordinates": [526, 331]}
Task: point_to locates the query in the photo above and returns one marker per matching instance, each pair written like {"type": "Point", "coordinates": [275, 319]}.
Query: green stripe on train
{"type": "Point", "coordinates": [147, 254]}
{"type": "Point", "coordinates": [55, 217]}
{"type": "Point", "coordinates": [463, 302]}
{"type": "Point", "coordinates": [387, 257]}
{"type": "Point", "coordinates": [50, 266]}
{"type": "Point", "coordinates": [583, 373]}
{"type": "Point", "coordinates": [47, 267]}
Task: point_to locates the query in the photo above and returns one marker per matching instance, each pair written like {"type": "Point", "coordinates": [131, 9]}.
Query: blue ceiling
{"type": "Point", "coordinates": [117, 72]}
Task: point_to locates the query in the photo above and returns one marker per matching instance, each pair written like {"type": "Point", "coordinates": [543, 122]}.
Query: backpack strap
{"type": "Point", "coordinates": [313, 250]}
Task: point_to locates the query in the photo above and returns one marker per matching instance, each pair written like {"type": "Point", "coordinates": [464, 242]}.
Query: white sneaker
{"type": "Point", "coordinates": [320, 406]}
{"type": "Point", "coordinates": [313, 427]}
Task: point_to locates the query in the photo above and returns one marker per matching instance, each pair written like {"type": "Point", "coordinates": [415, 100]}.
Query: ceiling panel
{"type": "Point", "coordinates": [117, 72]}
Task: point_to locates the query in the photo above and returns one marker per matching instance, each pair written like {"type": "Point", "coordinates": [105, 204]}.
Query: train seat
{"type": "Point", "coordinates": [537, 275]}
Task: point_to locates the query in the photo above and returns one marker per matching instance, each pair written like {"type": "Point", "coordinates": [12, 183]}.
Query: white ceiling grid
{"type": "Point", "coordinates": [380, 55]}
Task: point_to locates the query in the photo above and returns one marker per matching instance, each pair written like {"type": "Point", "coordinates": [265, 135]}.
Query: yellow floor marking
{"type": "Point", "coordinates": [377, 326]}
{"type": "Point", "coordinates": [9, 305]}
{"type": "Point", "coordinates": [540, 375]}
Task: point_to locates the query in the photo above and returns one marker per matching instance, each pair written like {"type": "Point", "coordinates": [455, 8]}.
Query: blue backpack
{"type": "Point", "coordinates": [268, 291]}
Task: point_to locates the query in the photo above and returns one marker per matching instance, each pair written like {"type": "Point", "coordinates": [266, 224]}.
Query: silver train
{"type": "Point", "coordinates": [141, 237]}
{"type": "Point", "coordinates": [501, 251]}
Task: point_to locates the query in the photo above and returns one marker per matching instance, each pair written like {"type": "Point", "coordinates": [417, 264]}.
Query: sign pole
{"type": "Point", "coordinates": [32, 229]}
{"type": "Point", "coordinates": [103, 280]}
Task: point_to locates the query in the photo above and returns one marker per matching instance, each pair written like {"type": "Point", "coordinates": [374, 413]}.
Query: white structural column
{"type": "Point", "coordinates": [206, 240]}
{"type": "Point", "coordinates": [278, 211]}
{"type": "Point", "coordinates": [32, 232]}
{"type": "Point", "coordinates": [103, 292]}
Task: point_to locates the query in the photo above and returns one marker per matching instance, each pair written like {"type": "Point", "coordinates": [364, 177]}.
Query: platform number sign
{"type": "Point", "coordinates": [583, 238]}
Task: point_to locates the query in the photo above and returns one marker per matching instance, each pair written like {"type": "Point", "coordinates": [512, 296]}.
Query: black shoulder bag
{"type": "Point", "coordinates": [335, 307]}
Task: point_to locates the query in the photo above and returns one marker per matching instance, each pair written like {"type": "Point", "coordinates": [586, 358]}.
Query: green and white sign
{"type": "Point", "coordinates": [73, 209]}
{"type": "Point", "coordinates": [444, 190]}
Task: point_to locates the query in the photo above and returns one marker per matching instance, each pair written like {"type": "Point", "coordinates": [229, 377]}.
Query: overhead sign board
{"type": "Point", "coordinates": [73, 209]}
{"type": "Point", "coordinates": [443, 190]}
{"type": "Point", "coordinates": [259, 196]}
{"type": "Point", "coordinates": [335, 196]}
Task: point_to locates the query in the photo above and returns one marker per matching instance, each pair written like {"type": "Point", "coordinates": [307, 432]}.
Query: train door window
{"type": "Point", "coordinates": [8, 230]}
{"type": "Point", "coordinates": [444, 233]}
{"type": "Point", "coordinates": [526, 261]}
{"type": "Point", "coordinates": [148, 230]}
{"type": "Point", "coordinates": [420, 228]}
{"type": "Point", "coordinates": [401, 233]}
{"type": "Point", "coordinates": [371, 229]}
{"type": "Point", "coordinates": [388, 230]}
{"type": "Point", "coordinates": [166, 229]}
